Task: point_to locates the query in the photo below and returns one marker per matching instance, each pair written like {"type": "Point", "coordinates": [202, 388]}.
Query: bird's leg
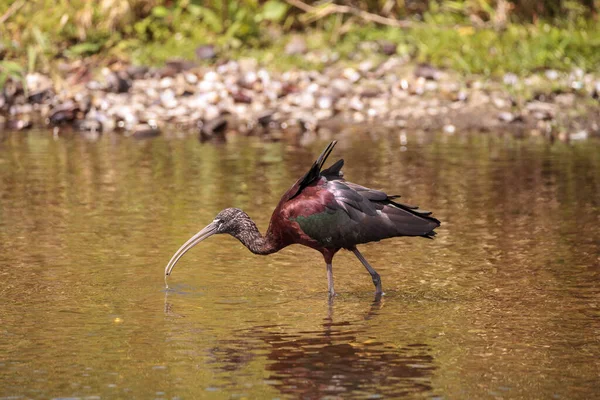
{"type": "Point", "coordinates": [377, 299]}
{"type": "Point", "coordinates": [330, 280]}
{"type": "Point", "coordinates": [374, 275]}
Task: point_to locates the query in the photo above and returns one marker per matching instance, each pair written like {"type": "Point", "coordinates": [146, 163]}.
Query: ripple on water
{"type": "Point", "coordinates": [503, 303]}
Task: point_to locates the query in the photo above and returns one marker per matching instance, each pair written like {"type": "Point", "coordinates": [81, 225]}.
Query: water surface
{"type": "Point", "coordinates": [504, 303]}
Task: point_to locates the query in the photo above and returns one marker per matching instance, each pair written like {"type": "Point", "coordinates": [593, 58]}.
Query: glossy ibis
{"type": "Point", "coordinates": [325, 212]}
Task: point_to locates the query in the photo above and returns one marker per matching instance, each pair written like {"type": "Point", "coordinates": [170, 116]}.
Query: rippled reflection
{"type": "Point", "coordinates": [330, 361]}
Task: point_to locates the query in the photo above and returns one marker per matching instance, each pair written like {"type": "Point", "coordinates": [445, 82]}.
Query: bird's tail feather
{"type": "Point", "coordinates": [315, 170]}
{"type": "Point", "coordinates": [426, 221]}
{"type": "Point", "coordinates": [335, 170]}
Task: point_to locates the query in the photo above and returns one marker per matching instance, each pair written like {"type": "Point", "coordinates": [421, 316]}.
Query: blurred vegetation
{"type": "Point", "coordinates": [471, 36]}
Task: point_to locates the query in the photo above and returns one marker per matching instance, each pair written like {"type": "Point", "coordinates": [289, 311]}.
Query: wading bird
{"type": "Point", "coordinates": [325, 212]}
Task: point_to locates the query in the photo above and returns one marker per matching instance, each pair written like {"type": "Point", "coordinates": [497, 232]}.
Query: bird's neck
{"type": "Point", "coordinates": [254, 241]}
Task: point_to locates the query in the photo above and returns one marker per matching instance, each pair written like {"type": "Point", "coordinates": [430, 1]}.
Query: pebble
{"type": "Point", "coordinates": [506, 116]}
{"type": "Point", "coordinates": [387, 48]}
{"type": "Point", "coordinates": [296, 45]}
{"type": "Point", "coordinates": [211, 112]}
{"type": "Point", "coordinates": [64, 113]}
{"type": "Point", "coordinates": [167, 98]}
{"type": "Point", "coordinates": [356, 104]}
{"type": "Point", "coordinates": [136, 71]}
{"type": "Point", "coordinates": [510, 79]}
{"type": "Point", "coordinates": [365, 66]}
{"type": "Point", "coordinates": [596, 91]}
{"type": "Point", "coordinates": [427, 72]}
{"type": "Point", "coordinates": [207, 52]}
{"type": "Point", "coordinates": [325, 102]}
{"type": "Point", "coordinates": [191, 78]}
{"type": "Point", "coordinates": [351, 75]}
{"type": "Point", "coordinates": [38, 83]}
{"type": "Point", "coordinates": [117, 82]}
{"type": "Point", "coordinates": [552, 74]}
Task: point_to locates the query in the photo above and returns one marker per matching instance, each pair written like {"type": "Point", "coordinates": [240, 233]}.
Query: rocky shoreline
{"type": "Point", "coordinates": [241, 97]}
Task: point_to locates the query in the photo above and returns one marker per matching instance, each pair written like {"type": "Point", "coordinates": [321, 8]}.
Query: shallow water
{"type": "Point", "coordinates": [504, 303]}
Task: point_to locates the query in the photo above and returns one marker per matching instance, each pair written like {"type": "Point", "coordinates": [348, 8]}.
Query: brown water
{"type": "Point", "coordinates": [505, 303]}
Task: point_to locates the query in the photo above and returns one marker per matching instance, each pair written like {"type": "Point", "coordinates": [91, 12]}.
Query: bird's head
{"type": "Point", "coordinates": [231, 220]}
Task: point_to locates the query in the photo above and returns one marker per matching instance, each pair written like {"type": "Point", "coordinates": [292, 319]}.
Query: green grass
{"type": "Point", "coordinates": [147, 32]}
{"type": "Point", "coordinates": [520, 49]}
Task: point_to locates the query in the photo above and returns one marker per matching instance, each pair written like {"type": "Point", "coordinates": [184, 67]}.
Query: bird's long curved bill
{"type": "Point", "coordinates": [210, 230]}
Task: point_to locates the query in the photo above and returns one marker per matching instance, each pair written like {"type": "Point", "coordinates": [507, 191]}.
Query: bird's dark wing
{"type": "Point", "coordinates": [354, 214]}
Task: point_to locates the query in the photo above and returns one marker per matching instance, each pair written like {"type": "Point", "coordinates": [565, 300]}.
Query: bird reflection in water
{"type": "Point", "coordinates": [333, 361]}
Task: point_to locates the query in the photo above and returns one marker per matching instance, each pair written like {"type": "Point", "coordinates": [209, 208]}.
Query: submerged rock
{"type": "Point", "coordinates": [581, 135]}
{"type": "Point", "coordinates": [88, 125]}
{"type": "Point", "coordinates": [65, 113]}
{"type": "Point", "coordinates": [213, 129]}
{"type": "Point", "coordinates": [265, 118]}
{"type": "Point", "coordinates": [20, 124]}
{"type": "Point", "coordinates": [146, 131]}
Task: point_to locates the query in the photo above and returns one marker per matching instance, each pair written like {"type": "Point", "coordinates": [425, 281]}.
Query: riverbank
{"type": "Point", "coordinates": [245, 97]}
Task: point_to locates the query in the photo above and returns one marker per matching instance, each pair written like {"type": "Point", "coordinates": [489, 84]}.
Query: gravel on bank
{"type": "Point", "coordinates": [242, 97]}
